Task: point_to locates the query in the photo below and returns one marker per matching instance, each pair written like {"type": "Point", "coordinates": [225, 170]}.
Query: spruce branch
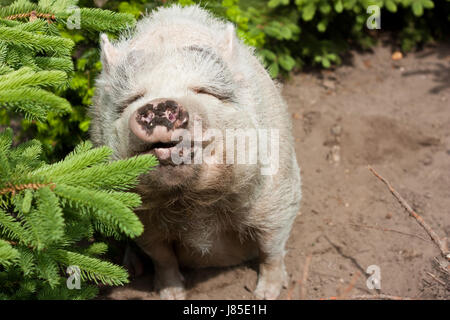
{"type": "Point", "coordinates": [54, 63]}
{"type": "Point", "coordinates": [102, 207]}
{"type": "Point", "coordinates": [17, 7]}
{"type": "Point", "coordinates": [92, 268]}
{"type": "Point", "coordinates": [34, 102]}
{"type": "Point", "coordinates": [7, 254]}
{"type": "Point", "coordinates": [118, 175]}
{"type": "Point", "coordinates": [26, 77]}
{"type": "Point", "coordinates": [37, 43]}
{"type": "Point", "coordinates": [75, 161]}
{"type": "Point", "coordinates": [46, 210]}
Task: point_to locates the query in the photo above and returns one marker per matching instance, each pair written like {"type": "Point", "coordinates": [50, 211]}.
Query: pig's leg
{"type": "Point", "coordinates": [168, 279]}
{"type": "Point", "coordinates": [271, 242]}
{"type": "Point", "coordinates": [272, 273]}
{"type": "Point", "coordinates": [132, 262]}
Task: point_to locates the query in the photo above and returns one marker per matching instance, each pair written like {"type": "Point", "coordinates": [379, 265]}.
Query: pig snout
{"type": "Point", "coordinates": [155, 123]}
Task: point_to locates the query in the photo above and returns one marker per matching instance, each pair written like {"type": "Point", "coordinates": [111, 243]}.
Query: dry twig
{"type": "Point", "coordinates": [301, 282]}
{"type": "Point", "coordinates": [15, 188]}
{"type": "Point", "coordinates": [32, 15]}
{"type": "Point", "coordinates": [441, 243]}
{"type": "Point", "coordinates": [351, 285]}
{"type": "Point", "coordinates": [305, 277]}
{"type": "Point", "coordinates": [389, 230]}
{"type": "Point", "coordinates": [379, 297]}
{"type": "Point", "coordinates": [436, 278]}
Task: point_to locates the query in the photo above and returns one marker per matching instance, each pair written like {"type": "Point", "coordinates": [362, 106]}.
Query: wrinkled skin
{"type": "Point", "coordinates": [182, 68]}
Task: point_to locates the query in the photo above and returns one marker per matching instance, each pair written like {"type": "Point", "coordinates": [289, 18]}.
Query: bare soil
{"type": "Point", "coordinates": [393, 115]}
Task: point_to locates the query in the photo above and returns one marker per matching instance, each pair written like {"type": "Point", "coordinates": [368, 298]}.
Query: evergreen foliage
{"type": "Point", "coordinates": [51, 215]}
{"type": "Point", "coordinates": [35, 60]}
{"type": "Point", "coordinates": [47, 209]}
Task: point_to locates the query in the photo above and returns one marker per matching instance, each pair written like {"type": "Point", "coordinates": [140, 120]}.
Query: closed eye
{"type": "Point", "coordinates": [212, 93]}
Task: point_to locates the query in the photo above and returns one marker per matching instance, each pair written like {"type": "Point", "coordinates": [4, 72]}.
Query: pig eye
{"type": "Point", "coordinates": [210, 93]}
{"type": "Point", "coordinates": [130, 100]}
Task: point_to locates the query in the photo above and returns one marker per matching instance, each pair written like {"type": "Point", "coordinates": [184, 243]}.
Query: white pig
{"type": "Point", "coordinates": [182, 78]}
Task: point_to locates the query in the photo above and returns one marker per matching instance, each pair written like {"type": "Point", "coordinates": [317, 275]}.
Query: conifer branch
{"type": "Point", "coordinates": [47, 209]}
{"type": "Point", "coordinates": [34, 186]}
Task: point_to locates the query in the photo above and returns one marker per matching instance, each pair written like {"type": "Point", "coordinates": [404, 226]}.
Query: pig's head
{"type": "Point", "coordinates": [155, 94]}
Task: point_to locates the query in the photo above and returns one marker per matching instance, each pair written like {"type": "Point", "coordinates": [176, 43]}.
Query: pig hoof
{"type": "Point", "coordinates": [173, 293]}
{"type": "Point", "coordinates": [267, 290]}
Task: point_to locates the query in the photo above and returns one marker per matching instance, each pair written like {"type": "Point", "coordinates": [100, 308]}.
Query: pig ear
{"type": "Point", "coordinates": [109, 53]}
{"type": "Point", "coordinates": [229, 42]}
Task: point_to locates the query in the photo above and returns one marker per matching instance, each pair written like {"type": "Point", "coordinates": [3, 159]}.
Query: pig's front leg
{"type": "Point", "coordinates": [168, 279]}
{"type": "Point", "coordinates": [272, 272]}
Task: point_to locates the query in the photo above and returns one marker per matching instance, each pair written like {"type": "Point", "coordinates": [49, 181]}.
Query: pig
{"type": "Point", "coordinates": [183, 79]}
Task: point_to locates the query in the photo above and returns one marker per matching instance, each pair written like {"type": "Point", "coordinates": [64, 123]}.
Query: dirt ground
{"type": "Point", "coordinates": [393, 115]}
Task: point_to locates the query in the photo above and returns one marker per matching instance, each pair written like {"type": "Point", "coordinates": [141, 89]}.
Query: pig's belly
{"type": "Point", "coordinates": [227, 250]}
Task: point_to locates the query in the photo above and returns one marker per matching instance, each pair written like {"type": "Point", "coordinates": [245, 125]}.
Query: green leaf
{"type": "Point", "coordinates": [286, 33]}
{"type": "Point", "coordinates": [391, 6]}
{"type": "Point", "coordinates": [286, 62]}
{"type": "Point", "coordinates": [84, 126]}
{"type": "Point", "coordinates": [273, 3]}
{"type": "Point", "coordinates": [325, 8]}
{"type": "Point", "coordinates": [269, 55]}
{"type": "Point", "coordinates": [326, 63]}
{"type": "Point", "coordinates": [428, 4]}
{"type": "Point", "coordinates": [274, 70]}
{"type": "Point", "coordinates": [309, 11]}
{"type": "Point", "coordinates": [417, 8]}
{"type": "Point", "coordinates": [338, 7]}
{"type": "Point", "coordinates": [322, 25]}
{"type": "Point", "coordinates": [272, 31]}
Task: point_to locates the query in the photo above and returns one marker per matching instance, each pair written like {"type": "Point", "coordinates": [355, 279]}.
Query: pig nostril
{"type": "Point", "coordinates": [170, 116]}
{"type": "Point", "coordinates": [147, 118]}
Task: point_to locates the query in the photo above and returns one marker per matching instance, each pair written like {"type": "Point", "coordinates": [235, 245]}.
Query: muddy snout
{"type": "Point", "coordinates": [155, 124]}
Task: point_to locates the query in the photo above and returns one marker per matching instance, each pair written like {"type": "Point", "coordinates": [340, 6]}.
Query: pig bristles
{"type": "Point", "coordinates": [441, 243]}
{"type": "Point", "coordinates": [15, 188]}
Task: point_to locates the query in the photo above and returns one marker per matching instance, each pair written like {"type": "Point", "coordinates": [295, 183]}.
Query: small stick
{"type": "Point", "coordinates": [300, 282]}
{"type": "Point", "coordinates": [305, 277]}
{"type": "Point", "coordinates": [31, 14]}
{"type": "Point", "coordinates": [436, 278]}
{"type": "Point", "coordinates": [390, 230]}
{"type": "Point", "coordinates": [291, 290]}
{"type": "Point", "coordinates": [349, 288]}
{"type": "Point", "coordinates": [442, 245]}
{"type": "Point", "coordinates": [379, 297]}
{"type": "Point", "coordinates": [445, 268]}
{"type": "Point", "coordinates": [14, 188]}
